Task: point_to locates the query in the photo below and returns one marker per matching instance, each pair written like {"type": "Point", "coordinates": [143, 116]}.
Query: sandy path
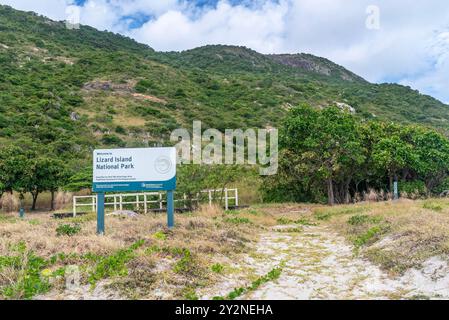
{"type": "Point", "coordinates": [319, 264]}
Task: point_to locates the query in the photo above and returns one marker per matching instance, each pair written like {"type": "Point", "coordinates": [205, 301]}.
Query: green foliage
{"type": "Point", "coordinates": [59, 100]}
{"type": "Point", "coordinates": [237, 220]}
{"type": "Point", "coordinates": [30, 280]}
{"type": "Point", "coordinates": [369, 236]}
{"type": "Point", "coordinates": [190, 294]}
{"type": "Point", "coordinates": [272, 275]}
{"type": "Point", "coordinates": [217, 268]}
{"type": "Point", "coordinates": [330, 154]}
{"type": "Point", "coordinates": [68, 229]}
{"type": "Point", "coordinates": [160, 235]}
{"type": "Point", "coordinates": [185, 264]}
{"type": "Point", "coordinates": [80, 180]}
{"type": "Point", "coordinates": [361, 219]}
{"type": "Point", "coordinates": [113, 265]}
{"type": "Point", "coordinates": [433, 206]}
{"type": "Point", "coordinates": [417, 187]}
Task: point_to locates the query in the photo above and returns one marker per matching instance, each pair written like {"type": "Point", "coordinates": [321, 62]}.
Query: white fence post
{"type": "Point", "coordinates": [226, 199]}
{"type": "Point", "coordinates": [74, 207]}
{"type": "Point", "coordinates": [121, 202]}
{"type": "Point", "coordinates": [145, 203]}
{"type": "Point", "coordinates": [236, 197]}
{"type": "Point", "coordinates": [160, 201]}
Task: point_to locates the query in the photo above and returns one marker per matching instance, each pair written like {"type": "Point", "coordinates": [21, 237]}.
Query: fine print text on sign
{"type": "Point", "coordinates": [142, 169]}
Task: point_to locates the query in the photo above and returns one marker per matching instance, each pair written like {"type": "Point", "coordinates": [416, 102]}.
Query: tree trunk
{"type": "Point", "coordinates": [52, 205]}
{"type": "Point", "coordinates": [34, 194]}
{"type": "Point", "coordinates": [330, 192]}
{"type": "Point", "coordinates": [391, 182]}
{"type": "Point", "coordinates": [347, 194]}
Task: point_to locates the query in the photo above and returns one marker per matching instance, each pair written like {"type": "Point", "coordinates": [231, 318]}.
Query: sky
{"type": "Point", "coordinates": [400, 41]}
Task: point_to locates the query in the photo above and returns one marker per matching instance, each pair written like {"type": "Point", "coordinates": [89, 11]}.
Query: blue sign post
{"type": "Point", "coordinates": [134, 170]}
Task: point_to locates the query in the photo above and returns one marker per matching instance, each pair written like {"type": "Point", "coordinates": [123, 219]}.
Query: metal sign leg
{"type": "Point", "coordinates": [100, 213]}
{"type": "Point", "coordinates": [170, 209]}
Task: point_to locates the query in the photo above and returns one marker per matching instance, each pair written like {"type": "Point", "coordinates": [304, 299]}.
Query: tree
{"type": "Point", "coordinates": [80, 180]}
{"type": "Point", "coordinates": [50, 174]}
{"type": "Point", "coordinates": [431, 150]}
{"type": "Point", "coordinates": [328, 143]}
{"type": "Point", "coordinates": [393, 154]}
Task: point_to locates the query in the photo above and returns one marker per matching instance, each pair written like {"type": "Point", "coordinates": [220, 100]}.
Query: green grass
{"type": "Point", "coordinates": [160, 235]}
{"type": "Point", "coordinates": [68, 229]}
{"type": "Point", "coordinates": [369, 236]}
{"type": "Point", "coordinates": [217, 268]}
{"type": "Point", "coordinates": [274, 274]}
{"type": "Point", "coordinates": [361, 219]}
{"type": "Point", "coordinates": [433, 206]}
{"type": "Point", "coordinates": [113, 265]}
{"type": "Point", "coordinates": [28, 266]}
{"type": "Point", "coordinates": [238, 220]}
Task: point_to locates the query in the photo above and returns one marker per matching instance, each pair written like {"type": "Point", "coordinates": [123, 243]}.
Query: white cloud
{"type": "Point", "coordinates": [410, 47]}
{"type": "Point", "coordinates": [54, 9]}
{"type": "Point", "coordinates": [258, 28]}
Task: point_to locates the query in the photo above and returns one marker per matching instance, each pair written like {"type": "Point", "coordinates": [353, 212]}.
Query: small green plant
{"type": "Point", "coordinates": [113, 265]}
{"type": "Point", "coordinates": [237, 292]}
{"type": "Point", "coordinates": [290, 230]}
{"type": "Point", "coordinates": [217, 268]}
{"type": "Point", "coordinates": [34, 222]}
{"type": "Point", "coordinates": [369, 235]}
{"type": "Point", "coordinates": [160, 235]}
{"type": "Point", "coordinates": [323, 216]}
{"type": "Point", "coordinates": [190, 294]}
{"type": "Point", "coordinates": [433, 206]}
{"type": "Point", "coordinates": [305, 222]}
{"type": "Point", "coordinates": [283, 220]}
{"type": "Point", "coordinates": [238, 220]}
{"type": "Point", "coordinates": [360, 219]}
{"type": "Point", "coordinates": [185, 264]}
{"type": "Point", "coordinates": [29, 267]}
{"type": "Point", "coordinates": [68, 229]}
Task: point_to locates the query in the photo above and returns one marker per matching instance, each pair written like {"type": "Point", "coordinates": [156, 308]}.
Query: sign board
{"type": "Point", "coordinates": [141, 169]}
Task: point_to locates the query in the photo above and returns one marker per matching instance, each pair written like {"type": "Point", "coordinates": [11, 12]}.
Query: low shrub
{"type": "Point", "coordinates": [68, 229]}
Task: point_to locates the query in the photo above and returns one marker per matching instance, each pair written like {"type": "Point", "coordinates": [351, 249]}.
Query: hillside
{"type": "Point", "coordinates": [71, 90]}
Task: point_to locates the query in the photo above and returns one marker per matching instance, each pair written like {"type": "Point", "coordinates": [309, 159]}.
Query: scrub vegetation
{"type": "Point", "coordinates": [65, 92]}
{"type": "Point", "coordinates": [134, 261]}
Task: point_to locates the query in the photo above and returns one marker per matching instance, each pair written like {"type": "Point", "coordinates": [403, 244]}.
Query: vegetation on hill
{"type": "Point", "coordinates": [65, 92]}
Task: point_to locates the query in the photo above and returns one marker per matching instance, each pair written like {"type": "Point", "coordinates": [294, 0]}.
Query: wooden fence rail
{"type": "Point", "coordinates": [157, 200]}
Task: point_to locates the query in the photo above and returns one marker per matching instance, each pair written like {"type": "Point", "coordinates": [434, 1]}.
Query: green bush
{"type": "Point", "coordinates": [369, 236]}
{"type": "Point", "coordinates": [433, 206]}
{"type": "Point", "coordinates": [28, 267]}
{"type": "Point", "coordinates": [68, 229]}
{"type": "Point", "coordinates": [113, 265]}
{"type": "Point", "coordinates": [443, 186]}
{"type": "Point", "coordinates": [416, 187]}
{"type": "Point", "coordinates": [217, 268]}
{"type": "Point", "coordinates": [360, 219]}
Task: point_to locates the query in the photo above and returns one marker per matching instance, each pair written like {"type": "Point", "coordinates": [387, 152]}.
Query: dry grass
{"type": "Point", "coordinates": [397, 235]}
{"type": "Point", "coordinates": [172, 264]}
{"type": "Point", "coordinates": [161, 262]}
{"type": "Point", "coordinates": [9, 202]}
